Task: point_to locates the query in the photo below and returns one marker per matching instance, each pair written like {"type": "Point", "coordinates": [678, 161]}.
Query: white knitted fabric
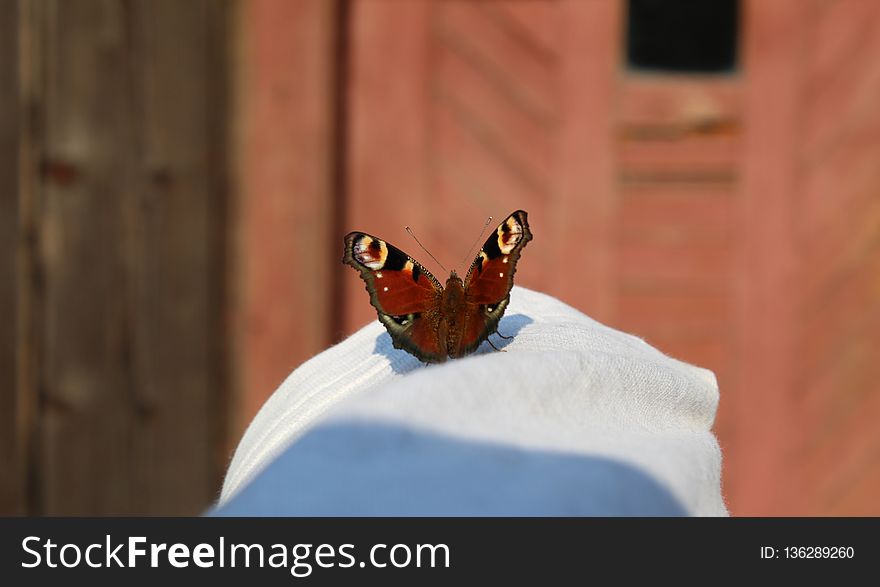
{"type": "Point", "coordinates": [565, 384]}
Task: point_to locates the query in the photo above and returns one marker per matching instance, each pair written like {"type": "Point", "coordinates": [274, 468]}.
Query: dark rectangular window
{"type": "Point", "coordinates": [683, 36]}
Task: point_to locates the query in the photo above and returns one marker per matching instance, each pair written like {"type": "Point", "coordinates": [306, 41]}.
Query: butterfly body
{"type": "Point", "coordinates": [428, 320]}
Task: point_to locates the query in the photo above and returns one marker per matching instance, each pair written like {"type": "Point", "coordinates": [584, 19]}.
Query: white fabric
{"type": "Point", "coordinates": [565, 384]}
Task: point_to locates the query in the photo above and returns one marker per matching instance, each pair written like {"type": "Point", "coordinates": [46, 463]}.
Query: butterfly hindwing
{"type": "Point", "coordinates": [405, 295]}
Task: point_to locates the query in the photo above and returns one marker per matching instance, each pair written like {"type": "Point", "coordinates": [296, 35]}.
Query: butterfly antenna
{"type": "Point", "coordinates": [412, 234]}
{"type": "Point", "coordinates": [470, 250]}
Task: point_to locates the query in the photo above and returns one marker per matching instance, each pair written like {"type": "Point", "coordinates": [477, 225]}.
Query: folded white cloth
{"type": "Point", "coordinates": [573, 418]}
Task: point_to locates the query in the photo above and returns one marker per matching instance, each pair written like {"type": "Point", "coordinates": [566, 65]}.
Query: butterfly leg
{"type": "Point", "coordinates": [495, 347]}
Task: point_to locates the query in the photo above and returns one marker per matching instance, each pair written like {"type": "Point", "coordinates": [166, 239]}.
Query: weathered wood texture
{"type": "Point", "coordinates": [123, 198]}
{"type": "Point", "coordinates": [12, 494]}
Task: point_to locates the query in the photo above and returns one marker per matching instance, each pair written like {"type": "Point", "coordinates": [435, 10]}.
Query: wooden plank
{"type": "Point", "coordinates": [171, 237]}
{"type": "Point", "coordinates": [473, 100]}
{"type": "Point", "coordinates": [839, 231]}
{"type": "Point", "coordinates": [582, 216]}
{"type": "Point", "coordinates": [12, 498]}
{"type": "Point", "coordinates": [676, 214]}
{"type": "Point", "coordinates": [525, 77]}
{"type": "Point", "coordinates": [685, 104]}
{"type": "Point", "coordinates": [31, 279]}
{"type": "Point", "coordinates": [761, 483]}
{"type": "Point", "coordinates": [535, 24]}
{"type": "Point", "coordinates": [285, 204]}
{"type": "Point", "coordinates": [675, 265]}
{"type": "Point", "coordinates": [490, 181]}
{"type": "Point", "coordinates": [685, 157]}
{"type": "Point", "coordinates": [121, 196]}
{"type": "Point", "coordinates": [86, 417]}
{"type": "Point", "coordinates": [219, 183]}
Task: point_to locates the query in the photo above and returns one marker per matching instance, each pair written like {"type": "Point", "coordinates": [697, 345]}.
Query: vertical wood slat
{"type": "Point", "coordinates": [284, 254]}
{"type": "Point", "coordinates": [171, 224]}
{"type": "Point", "coordinates": [768, 298]}
{"type": "Point", "coordinates": [220, 177]}
{"type": "Point", "coordinates": [30, 282]}
{"type": "Point", "coordinates": [585, 206]}
{"type": "Point", "coordinates": [117, 178]}
{"type": "Point", "coordinates": [12, 473]}
{"type": "Point", "coordinates": [838, 229]}
{"type": "Point", "coordinates": [85, 412]}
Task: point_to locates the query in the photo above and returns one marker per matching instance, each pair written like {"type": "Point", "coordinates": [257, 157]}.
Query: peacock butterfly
{"type": "Point", "coordinates": [424, 318]}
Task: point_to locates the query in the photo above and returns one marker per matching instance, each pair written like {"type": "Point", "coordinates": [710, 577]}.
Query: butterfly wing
{"type": "Point", "coordinates": [489, 280]}
{"type": "Point", "coordinates": [405, 294]}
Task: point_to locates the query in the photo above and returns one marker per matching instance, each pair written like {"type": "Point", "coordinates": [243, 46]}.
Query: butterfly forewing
{"type": "Point", "coordinates": [490, 277]}
{"type": "Point", "coordinates": [405, 294]}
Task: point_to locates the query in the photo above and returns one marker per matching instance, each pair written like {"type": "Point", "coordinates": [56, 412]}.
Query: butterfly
{"type": "Point", "coordinates": [424, 318]}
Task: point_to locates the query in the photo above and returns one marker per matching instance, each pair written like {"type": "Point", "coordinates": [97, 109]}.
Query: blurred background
{"type": "Point", "coordinates": [176, 178]}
